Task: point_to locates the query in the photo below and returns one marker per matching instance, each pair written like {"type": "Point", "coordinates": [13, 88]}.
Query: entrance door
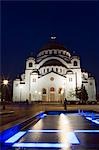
{"type": "Point", "coordinates": [52, 97]}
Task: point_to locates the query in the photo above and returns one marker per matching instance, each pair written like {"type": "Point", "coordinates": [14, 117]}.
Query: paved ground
{"type": "Point", "coordinates": [70, 131]}
{"type": "Point", "coordinates": [14, 113]}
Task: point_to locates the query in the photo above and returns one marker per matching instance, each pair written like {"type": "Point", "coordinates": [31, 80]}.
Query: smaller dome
{"type": "Point", "coordinates": [30, 58]}
{"type": "Point", "coordinates": [75, 57]}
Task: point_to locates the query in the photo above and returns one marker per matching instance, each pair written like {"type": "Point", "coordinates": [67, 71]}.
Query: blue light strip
{"type": "Point", "coordinates": [87, 131]}
{"type": "Point", "coordinates": [72, 138]}
{"type": "Point", "coordinates": [95, 121]}
{"type": "Point", "coordinates": [43, 115]}
{"type": "Point", "coordinates": [41, 145]}
{"type": "Point", "coordinates": [89, 118]}
{"type": "Point", "coordinates": [45, 131]}
{"type": "Point", "coordinates": [70, 135]}
{"type": "Point", "coordinates": [15, 137]}
{"type": "Point", "coordinates": [90, 114]}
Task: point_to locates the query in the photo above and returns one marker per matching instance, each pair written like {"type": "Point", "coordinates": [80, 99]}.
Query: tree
{"type": "Point", "coordinates": [82, 94]}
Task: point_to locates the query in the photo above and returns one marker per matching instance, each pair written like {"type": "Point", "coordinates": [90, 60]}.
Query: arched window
{"type": "Point", "coordinates": [47, 69]}
{"type": "Point", "coordinates": [34, 80]}
{"type": "Point", "coordinates": [60, 70]}
{"type": "Point", "coordinates": [61, 52]}
{"type": "Point", "coordinates": [30, 64]}
{"type": "Point", "coordinates": [90, 83]}
{"type": "Point", "coordinates": [43, 91]}
{"type": "Point", "coordinates": [70, 79]}
{"type": "Point", "coordinates": [64, 71]}
{"type": "Point", "coordinates": [60, 91]}
{"type": "Point", "coordinates": [52, 89]}
{"type": "Point", "coordinates": [75, 63]}
{"type": "Point", "coordinates": [56, 69]}
{"type": "Point", "coordinates": [52, 52]}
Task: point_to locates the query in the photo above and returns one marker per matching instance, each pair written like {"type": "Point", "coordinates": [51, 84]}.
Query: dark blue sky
{"type": "Point", "coordinates": [27, 26]}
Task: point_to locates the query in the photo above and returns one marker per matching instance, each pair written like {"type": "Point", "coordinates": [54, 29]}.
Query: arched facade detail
{"type": "Point", "coordinates": [52, 89]}
{"type": "Point", "coordinates": [50, 58]}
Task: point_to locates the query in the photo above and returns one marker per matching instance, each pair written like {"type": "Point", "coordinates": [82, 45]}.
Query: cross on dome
{"type": "Point", "coordinates": [53, 37]}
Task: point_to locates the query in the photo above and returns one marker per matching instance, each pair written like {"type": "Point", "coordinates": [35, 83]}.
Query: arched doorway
{"type": "Point", "coordinates": [44, 94]}
{"type": "Point", "coordinates": [60, 94]}
{"type": "Point", "coordinates": [52, 94]}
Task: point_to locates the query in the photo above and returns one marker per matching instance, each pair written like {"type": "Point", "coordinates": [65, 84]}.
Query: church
{"type": "Point", "coordinates": [52, 76]}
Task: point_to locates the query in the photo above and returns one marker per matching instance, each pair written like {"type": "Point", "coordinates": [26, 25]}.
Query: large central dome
{"type": "Point", "coordinates": [53, 48]}
{"type": "Point", "coordinates": [53, 44]}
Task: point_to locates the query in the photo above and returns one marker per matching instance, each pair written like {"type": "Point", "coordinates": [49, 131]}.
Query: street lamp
{"type": "Point", "coordinates": [5, 83]}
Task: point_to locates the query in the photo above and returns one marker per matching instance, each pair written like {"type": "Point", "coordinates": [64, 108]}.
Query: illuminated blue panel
{"type": "Point", "coordinates": [43, 115]}
{"type": "Point", "coordinates": [45, 131]}
{"type": "Point", "coordinates": [15, 137]}
{"type": "Point", "coordinates": [72, 138]}
{"type": "Point", "coordinates": [95, 121]}
{"type": "Point", "coordinates": [88, 118]}
{"type": "Point", "coordinates": [6, 134]}
{"type": "Point", "coordinates": [41, 145]}
{"type": "Point", "coordinates": [86, 131]}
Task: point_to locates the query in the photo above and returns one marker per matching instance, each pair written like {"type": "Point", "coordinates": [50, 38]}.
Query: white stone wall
{"type": "Point", "coordinates": [16, 91]}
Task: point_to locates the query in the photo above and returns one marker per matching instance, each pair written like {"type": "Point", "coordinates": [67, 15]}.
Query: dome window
{"type": "Point", "coordinates": [61, 52]}
{"type": "Point", "coordinates": [47, 69]}
{"type": "Point", "coordinates": [75, 63]}
{"type": "Point", "coordinates": [30, 64]}
{"type": "Point", "coordinates": [60, 70]}
{"type": "Point", "coordinates": [56, 69]}
{"type": "Point", "coordinates": [52, 52]}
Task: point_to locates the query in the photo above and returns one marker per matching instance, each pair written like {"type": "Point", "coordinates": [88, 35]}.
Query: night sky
{"type": "Point", "coordinates": [27, 26]}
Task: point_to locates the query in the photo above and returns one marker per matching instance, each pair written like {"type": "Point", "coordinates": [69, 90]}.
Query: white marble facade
{"type": "Point", "coordinates": [53, 75]}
